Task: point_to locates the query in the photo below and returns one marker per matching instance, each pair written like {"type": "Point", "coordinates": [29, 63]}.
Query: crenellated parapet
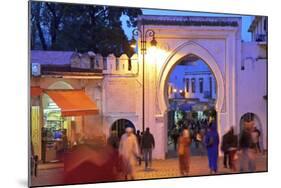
{"type": "Point", "coordinates": [122, 65]}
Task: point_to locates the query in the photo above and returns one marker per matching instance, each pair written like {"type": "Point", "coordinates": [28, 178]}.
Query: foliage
{"type": "Point", "coordinates": [70, 27]}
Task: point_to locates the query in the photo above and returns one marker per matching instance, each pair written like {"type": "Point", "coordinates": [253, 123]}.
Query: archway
{"type": "Point", "coordinates": [183, 50]}
{"type": "Point", "coordinates": [173, 59]}
{"type": "Point", "coordinates": [120, 125]}
{"type": "Point", "coordinates": [191, 94]}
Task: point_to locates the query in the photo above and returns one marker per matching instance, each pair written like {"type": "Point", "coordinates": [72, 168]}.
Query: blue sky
{"type": "Point", "coordinates": [246, 20]}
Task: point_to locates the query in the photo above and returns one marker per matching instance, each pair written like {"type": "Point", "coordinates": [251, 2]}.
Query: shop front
{"type": "Point", "coordinates": [62, 113]}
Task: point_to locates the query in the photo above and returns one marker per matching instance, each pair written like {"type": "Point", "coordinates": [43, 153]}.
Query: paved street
{"type": "Point", "coordinates": [160, 169]}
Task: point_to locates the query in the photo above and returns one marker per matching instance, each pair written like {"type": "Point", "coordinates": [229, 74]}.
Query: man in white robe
{"type": "Point", "coordinates": [129, 150]}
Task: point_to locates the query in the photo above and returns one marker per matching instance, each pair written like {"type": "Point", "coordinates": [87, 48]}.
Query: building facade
{"type": "Point", "coordinates": [192, 81]}
{"type": "Point", "coordinates": [239, 77]}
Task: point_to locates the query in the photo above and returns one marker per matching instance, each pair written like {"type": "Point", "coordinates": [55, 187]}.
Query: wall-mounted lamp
{"type": "Point", "coordinates": [133, 43]}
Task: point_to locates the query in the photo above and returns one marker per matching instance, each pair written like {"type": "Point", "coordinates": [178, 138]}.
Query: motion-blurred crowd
{"type": "Point", "coordinates": [118, 159]}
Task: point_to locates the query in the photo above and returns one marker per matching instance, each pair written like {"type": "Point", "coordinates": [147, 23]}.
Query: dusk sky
{"type": "Point", "coordinates": [246, 20]}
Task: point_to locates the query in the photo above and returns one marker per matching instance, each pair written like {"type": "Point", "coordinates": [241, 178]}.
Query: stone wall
{"type": "Point", "coordinates": [108, 65]}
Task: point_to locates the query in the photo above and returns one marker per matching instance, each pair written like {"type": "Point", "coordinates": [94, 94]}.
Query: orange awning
{"type": "Point", "coordinates": [35, 91]}
{"type": "Point", "coordinates": [73, 102]}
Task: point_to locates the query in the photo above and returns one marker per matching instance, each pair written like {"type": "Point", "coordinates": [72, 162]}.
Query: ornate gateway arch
{"type": "Point", "coordinates": [215, 40]}
{"type": "Point", "coordinates": [188, 48]}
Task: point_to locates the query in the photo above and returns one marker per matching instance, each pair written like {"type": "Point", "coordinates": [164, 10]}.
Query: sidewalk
{"type": "Point", "coordinates": [198, 166]}
{"type": "Point", "coordinates": [160, 169]}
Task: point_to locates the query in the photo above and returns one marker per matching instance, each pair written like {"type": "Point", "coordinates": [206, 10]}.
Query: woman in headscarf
{"type": "Point", "coordinates": [212, 144]}
{"type": "Point", "coordinates": [129, 150]}
{"type": "Point", "coordinates": [184, 142]}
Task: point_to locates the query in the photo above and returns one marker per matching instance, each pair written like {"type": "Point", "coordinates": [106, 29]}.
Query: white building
{"type": "Point", "coordinates": [239, 72]}
{"type": "Point", "coordinates": [193, 80]}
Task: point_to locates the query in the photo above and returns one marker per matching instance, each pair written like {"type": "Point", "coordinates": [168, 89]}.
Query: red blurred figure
{"type": "Point", "coordinates": [87, 165]}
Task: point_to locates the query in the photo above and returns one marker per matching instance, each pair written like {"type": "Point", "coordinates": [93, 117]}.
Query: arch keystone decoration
{"type": "Point", "coordinates": [176, 55]}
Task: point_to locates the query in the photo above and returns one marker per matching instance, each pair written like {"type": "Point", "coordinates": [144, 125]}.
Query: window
{"type": "Point", "coordinates": [201, 85]}
{"type": "Point", "coordinates": [193, 85]}
{"type": "Point", "coordinates": [187, 84]}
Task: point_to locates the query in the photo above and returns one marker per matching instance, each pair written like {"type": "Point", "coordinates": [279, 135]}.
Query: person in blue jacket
{"type": "Point", "coordinates": [212, 144]}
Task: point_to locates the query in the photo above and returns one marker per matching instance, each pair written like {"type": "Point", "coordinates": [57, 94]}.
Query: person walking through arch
{"type": "Point", "coordinates": [175, 136]}
{"type": "Point", "coordinates": [247, 147]}
{"type": "Point", "coordinates": [184, 142]}
{"type": "Point", "coordinates": [147, 144]}
{"type": "Point", "coordinates": [212, 144]}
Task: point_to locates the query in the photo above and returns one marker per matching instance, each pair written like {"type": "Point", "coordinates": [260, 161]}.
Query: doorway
{"type": "Point", "coordinates": [120, 125]}
{"type": "Point", "coordinates": [192, 93]}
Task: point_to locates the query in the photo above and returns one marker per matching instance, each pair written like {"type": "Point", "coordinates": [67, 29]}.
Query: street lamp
{"type": "Point", "coordinates": [144, 35]}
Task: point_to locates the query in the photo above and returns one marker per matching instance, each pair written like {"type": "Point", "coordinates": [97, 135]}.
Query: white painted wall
{"type": "Point", "coordinates": [252, 86]}
{"type": "Point", "coordinates": [121, 98]}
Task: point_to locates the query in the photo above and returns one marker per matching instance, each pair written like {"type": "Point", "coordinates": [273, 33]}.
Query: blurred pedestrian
{"type": "Point", "coordinates": [199, 141]}
{"type": "Point", "coordinates": [88, 164]}
{"type": "Point", "coordinates": [113, 139]}
{"type": "Point", "coordinates": [232, 150]}
{"type": "Point", "coordinates": [34, 161]}
{"type": "Point", "coordinates": [147, 144]}
{"type": "Point", "coordinates": [64, 140]}
{"type": "Point", "coordinates": [129, 150]}
{"type": "Point", "coordinates": [139, 138]}
{"type": "Point", "coordinates": [256, 139]}
{"type": "Point", "coordinates": [212, 144]}
{"type": "Point", "coordinates": [175, 136]}
{"type": "Point", "coordinates": [184, 142]}
{"type": "Point", "coordinates": [247, 160]}
{"type": "Point", "coordinates": [225, 148]}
